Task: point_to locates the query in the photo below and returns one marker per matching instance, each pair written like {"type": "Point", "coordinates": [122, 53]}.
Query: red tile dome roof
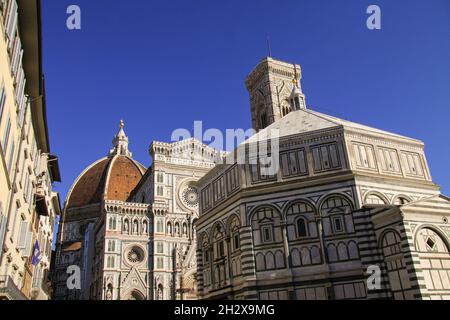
{"type": "Point", "coordinates": [110, 178]}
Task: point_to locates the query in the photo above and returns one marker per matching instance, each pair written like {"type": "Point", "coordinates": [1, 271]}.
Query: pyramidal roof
{"type": "Point", "coordinates": [302, 121]}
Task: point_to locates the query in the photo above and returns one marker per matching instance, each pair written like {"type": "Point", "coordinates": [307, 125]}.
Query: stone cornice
{"type": "Point", "coordinates": [384, 140]}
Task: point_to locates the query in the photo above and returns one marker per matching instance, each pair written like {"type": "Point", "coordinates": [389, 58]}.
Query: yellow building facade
{"type": "Point", "coordinates": [28, 205]}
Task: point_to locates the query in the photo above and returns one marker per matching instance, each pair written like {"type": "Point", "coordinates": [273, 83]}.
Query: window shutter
{"type": "Point", "coordinates": [20, 86]}
{"type": "Point", "coordinates": [2, 99]}
{"type": "Point", "coordinates": [27, 181]}
{"type": "Point", "coordinates": [30, 193]}
{"type": "Point", "coordinates": [22, 109]}
{"type": "Point", "coordinates": [11, 156]}
{"type": "Point", "coordinates": [16, 56]}
{"type": "Point", "coordinates": [37, 162]}
{"type": "Point", "coordinates": [22, 235]}
{"type": "Point", "coordinates": [3, 222]}
{"type": "Point", "coordinates": [6, 137]}
{"type": "Point", "coordinates": [11, 24]}
{"type": "Point", "coordinates": [28, 243]}
{"type": "Point", "coordinates": [21, 98]}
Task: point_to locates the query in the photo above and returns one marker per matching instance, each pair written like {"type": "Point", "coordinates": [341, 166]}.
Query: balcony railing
{"type": "Point", "coordinates": [9, 290]}
{"type": "Point", "coordinates": [40, 195]}
{"type": "Point", "coordinates": [41, 292]}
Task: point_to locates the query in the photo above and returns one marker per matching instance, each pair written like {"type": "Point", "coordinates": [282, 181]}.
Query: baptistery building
{"type": "Point", "coordinates": [351, 212]}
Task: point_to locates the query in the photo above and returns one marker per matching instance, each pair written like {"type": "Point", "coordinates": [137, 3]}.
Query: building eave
{"type": "Point", "coordinates": [31, 37]}
{"type": "Point", "coordinates": [53, 165]}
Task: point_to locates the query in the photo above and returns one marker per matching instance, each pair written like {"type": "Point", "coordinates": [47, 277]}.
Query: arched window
{"type": "Point", "coordinates": [263, 120]}
{"type": "Point", "coordinates": [159, 226]}
{"type": "Point", "coordinates": [342, 251]}
{"type": "Point", "coordinates": [336, 214]}
{"type": "Point", "coordinates": [235, 225]}
{"type": "Point", "coordinates": [279, 260]}
{"type": "Point", "coordinates": [315, 255]}
{"type": "Point", "coordinates": [301, 220]}
{"type": "Point", "coordinates": [270, 260]}
{"type": "Point", "coordinates": [332, 253]}
{"type": "Point", "coordinates": [305, 256]}
{"type": "Point", "coordinates": [110, 262]}
{"type": "Point", "coordinates": [205, 250]}
{"type": "Point", "coordinates": [297, 103]}
{"type": "Point", "coordinates": [160, 263]}
{"type": "Point", "coordinates": [112, 223]}
{"type": "Point", "coordinates": [260, 262]}
{"type": "Point", "coordinates": [266, 225]}
{"type": "Point", "coordinates": [111, 246]}
{"type": "Point", "coordinates": [301, 228]}
{"type": "Point", "coordinates": [184, 229]}
{"type": "Point", "coordinates": [160, 247]}
{"type": "Point", "coordinates": [353, 250]}
{"type": "Point", "coordinates": [219, 245]}
{"type": "Point", "coordinates": [169, 228]}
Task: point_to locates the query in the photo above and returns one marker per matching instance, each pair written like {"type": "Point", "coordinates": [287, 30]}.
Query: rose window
{"type": "Point", "coordinates": [190, 197]}
{"type": "Point", "coordinates": [135, 255]}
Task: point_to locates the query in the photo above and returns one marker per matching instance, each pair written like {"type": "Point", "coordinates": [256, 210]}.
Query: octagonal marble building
{"type": "Point", "coordinates": [351, 212]}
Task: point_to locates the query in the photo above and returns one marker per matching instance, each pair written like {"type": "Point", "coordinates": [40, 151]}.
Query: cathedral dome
{"type": "Point", "coordinates": [110, 178]}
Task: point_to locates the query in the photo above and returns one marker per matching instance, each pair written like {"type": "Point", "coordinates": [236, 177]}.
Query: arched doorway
{"type": "Point", "coordinates": [134, 295]}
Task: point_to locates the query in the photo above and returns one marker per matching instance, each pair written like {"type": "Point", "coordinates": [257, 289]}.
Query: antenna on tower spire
{"type": "Point", "coordinates": [269, 50]}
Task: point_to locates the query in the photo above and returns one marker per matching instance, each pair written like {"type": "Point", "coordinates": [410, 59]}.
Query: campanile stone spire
{"type": "Point", "coordinates": [120, 143]}
{"type": "Point", "coordinates": [273, 93]}
{"type": "Point", "coordinates": [297, 97]}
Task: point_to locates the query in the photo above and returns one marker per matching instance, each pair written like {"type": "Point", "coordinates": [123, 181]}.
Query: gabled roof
{"type": "Point", "coordinates": [436, 203]}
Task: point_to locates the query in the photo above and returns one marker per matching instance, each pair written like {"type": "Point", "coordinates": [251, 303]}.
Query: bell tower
{"type": "Point", "coordinates": [275, 90]}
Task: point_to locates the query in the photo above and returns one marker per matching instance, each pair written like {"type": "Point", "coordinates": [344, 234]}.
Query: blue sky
{"type": "Point", "coordinates": [161, 65]}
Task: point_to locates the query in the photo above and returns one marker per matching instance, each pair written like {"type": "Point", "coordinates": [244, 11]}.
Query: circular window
{"type": "Point", "coordinates": [135, 255]}
{"type": "Point", "coordinates": [190, 197]}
